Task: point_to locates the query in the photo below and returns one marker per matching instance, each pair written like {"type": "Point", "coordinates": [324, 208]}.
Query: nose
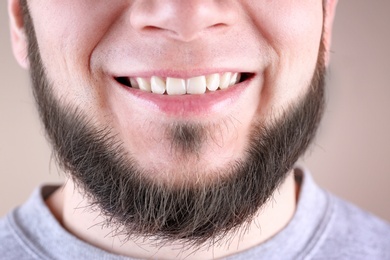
{"type": "Point", "coordinates": [182, 20]}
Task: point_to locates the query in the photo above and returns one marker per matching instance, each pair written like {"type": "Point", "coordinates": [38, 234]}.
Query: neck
{"type": "Point", "coordinates": [71, 209]}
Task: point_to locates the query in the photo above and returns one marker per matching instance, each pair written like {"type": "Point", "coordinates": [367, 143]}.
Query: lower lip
{"type": "Point", "coordinates": [189, 105]}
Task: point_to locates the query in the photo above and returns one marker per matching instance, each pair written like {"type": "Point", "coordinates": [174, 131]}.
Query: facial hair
{"type": "Point", "coordinates": [137, 206]}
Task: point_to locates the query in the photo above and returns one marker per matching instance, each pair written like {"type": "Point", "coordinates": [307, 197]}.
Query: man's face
{"type": "Point", "coordinates": [92, 52]}
{"type": "Point", "coordinates": [90, 44]}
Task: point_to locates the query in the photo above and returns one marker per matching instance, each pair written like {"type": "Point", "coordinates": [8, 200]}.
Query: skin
{"type": "Point", "coordinates": [89, 41]}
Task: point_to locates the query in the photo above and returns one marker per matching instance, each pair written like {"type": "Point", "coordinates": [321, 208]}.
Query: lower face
{"type": "Point", "coordinates": [191, 156]}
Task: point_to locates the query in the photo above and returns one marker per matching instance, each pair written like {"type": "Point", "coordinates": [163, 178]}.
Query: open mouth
{"type": "Point", "coordinates": [179, 86]}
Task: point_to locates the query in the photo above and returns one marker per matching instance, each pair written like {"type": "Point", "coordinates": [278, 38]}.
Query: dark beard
{"type": "Point", "coordinates": [136, 206]}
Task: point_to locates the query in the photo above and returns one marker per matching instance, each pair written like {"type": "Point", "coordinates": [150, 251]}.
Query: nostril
{"type": "Point", "coordinates": [151, 28]}
{"type": "Point", "coordinates": [218, 25]}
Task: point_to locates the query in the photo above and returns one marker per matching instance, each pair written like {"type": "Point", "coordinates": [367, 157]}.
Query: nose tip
{"type": "Point", "coordinates": [182, 20]}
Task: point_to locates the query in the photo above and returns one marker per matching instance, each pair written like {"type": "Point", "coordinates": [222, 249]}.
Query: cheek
{"type": "Point", "coordinates": [288, 23]}
{"type": "Point", "coordinates": [293, 29]}
{"type": "Point", "coordinates": [67, 34]}
{"type": "Point", "coordinates": [299, 36]}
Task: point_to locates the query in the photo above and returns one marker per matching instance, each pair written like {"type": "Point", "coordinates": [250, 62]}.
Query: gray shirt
{"type": "Point", "coordinates": [323, 227]}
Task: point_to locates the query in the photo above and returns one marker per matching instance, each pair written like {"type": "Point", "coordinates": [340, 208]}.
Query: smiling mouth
{"type": "Point", "coordinates": [179, 86]}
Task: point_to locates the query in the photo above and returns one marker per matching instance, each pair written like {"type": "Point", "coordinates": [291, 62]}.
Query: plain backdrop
{"type": "Point", "coordinates": [350, 156]}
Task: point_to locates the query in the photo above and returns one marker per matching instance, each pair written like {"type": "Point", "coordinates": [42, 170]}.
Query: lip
{"type": "Point", "coordinates": [185, 106]}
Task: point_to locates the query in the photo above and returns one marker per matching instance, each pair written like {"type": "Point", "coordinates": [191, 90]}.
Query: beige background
{"type": "Point", "coordinates": [350, 156]}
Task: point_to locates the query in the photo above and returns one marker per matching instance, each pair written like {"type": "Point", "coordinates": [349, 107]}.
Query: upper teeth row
{"type": "Point", "coordinates": [178, 86]}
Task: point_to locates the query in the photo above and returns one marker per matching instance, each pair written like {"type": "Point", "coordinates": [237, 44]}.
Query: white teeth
{"type": "Point", "coordinates": [176, 86]}
{"type": "Point", "coordinates": [225, 80]}
{"type": "Point", "coordinates": [238, 79]}
{"type": "Point", "coordinates": [234, 80]}
{"type": "Point", "coordinates": [212, 81]}
{"type": "Point", "coordinates": [158, 85]}
{"type": "Point", "coordinates": [144, 84]}
{"type": "Point", "coordinates": [134, 83]}
{"type": "Point", "coordinates": [196, 85]}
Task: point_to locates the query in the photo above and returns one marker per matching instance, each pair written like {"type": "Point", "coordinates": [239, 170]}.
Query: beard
{"type": "Point", "coordinates": [193, 213]}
